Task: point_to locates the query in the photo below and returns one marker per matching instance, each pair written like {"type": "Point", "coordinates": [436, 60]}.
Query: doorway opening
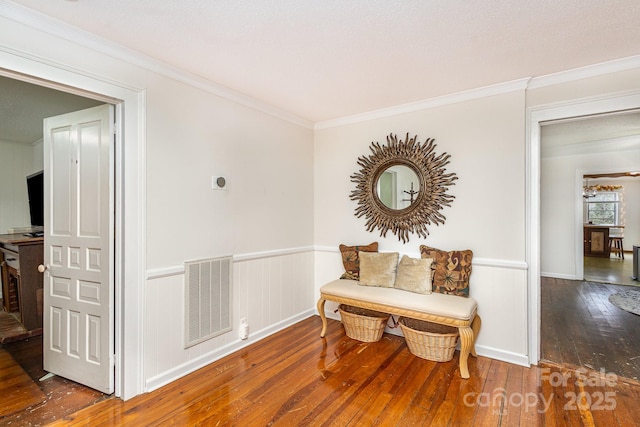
{"type": "Point", "coordinates": [32, 102]}
{"type": "Point", "coordinates": [130, 179]}
{"type": "Point", "coordinates": [575, 316]}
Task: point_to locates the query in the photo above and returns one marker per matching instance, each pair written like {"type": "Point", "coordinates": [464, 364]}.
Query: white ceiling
{"type": "Point", "coordinates": [327, 59]}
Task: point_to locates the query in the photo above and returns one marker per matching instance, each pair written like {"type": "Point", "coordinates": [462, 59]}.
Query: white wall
{"type": "Point", "coordinates": [188, 131]}
{"type": "Point", "coordinates": [485, 140]}
{"type": "Point", "coordinates": [38, 156]}
{"type": "Point", "coordinates": [17, 161]}
{"type": "Point", "coordinates": [268, 165]}
{"type": "Point", "coordinates": [632, 212]}
{"type": "Point", "coordinates": [264, 218]}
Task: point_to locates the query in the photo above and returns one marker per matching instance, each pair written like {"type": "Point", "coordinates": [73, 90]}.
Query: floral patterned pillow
{"type": "Point", "coordinates": [451, 270]}
{"type": "Point", "coordinates": [351, 261]}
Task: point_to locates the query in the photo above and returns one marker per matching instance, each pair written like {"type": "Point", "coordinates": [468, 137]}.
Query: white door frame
{"type": "Point", "coordinates": [130, 187]}
{"type": "Point", "coordinates": [535, 116]}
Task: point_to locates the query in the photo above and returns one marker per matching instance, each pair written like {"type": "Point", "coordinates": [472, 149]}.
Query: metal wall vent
{"type": "Point", "coordinates": [207, 299]}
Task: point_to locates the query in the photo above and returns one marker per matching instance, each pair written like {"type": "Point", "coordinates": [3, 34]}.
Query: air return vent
{"type": "Point", "coordinates": [207, 299]}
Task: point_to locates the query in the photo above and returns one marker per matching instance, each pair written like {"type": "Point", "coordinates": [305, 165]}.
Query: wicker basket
{"type": "Point", "coordinates": [362, 324]}
{"type": "Point", "coordinates": [429, 340]}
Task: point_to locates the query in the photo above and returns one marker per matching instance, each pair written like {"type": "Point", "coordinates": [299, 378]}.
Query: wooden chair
{"type": "Point", "coordinates": [615, 244]}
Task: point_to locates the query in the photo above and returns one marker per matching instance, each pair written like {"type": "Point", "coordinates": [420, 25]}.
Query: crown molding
{"type": "Point", "coordinates": [454, 98]}
{"type": "Point", "coordinates": [594, 70]}
{"type": "Point", "coordinates": [57, 28]}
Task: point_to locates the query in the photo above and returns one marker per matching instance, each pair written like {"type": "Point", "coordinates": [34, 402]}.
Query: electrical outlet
{"type": "Point", "coordinates": [244, 329]}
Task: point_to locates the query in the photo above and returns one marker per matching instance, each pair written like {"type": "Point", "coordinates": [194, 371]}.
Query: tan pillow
{"type": "Point", "coordinates": [378, 269]}
{"type": "Point", "coordinates": [351, 261]}
{"type": "Point", "coordinates": [414, 275]}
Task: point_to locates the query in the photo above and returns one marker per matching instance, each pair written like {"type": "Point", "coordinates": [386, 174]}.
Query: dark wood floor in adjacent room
{"type": "Point", "coordinates": [580, 327]}
{"type": "Point", "coordinates": [54, 398]}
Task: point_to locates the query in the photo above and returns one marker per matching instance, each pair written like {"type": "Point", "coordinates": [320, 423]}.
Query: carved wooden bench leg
{"type": "Point", "coordinates": [468, 344]}
{"type": "Point", "coordinates": [475, 326]}
{"type": "Point", "coordinates": [323, 316]}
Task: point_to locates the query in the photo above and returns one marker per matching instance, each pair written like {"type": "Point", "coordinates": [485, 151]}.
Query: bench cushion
{"type": "Point", "coordinates": [437, 304]}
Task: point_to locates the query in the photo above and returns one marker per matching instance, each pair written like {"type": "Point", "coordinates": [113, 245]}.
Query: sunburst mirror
{"type": "Point", "coordinates": [402, 187]}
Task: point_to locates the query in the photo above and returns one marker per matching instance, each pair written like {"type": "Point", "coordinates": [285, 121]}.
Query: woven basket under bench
{"type": "Point", "coordinates": [428, 340]}
{"type": "Point", "coordinates": [362, 324]}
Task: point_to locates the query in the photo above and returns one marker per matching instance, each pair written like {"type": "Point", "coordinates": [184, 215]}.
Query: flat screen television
{"type": "Point", "coordinates": [35, 190]}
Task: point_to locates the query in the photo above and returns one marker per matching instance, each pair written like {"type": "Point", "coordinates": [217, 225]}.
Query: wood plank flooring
{"type": "Point", "coordinates": [17, 391]}
{"type": "Point", "coordinates": [57, 396]}
{"type": "Point", "coordinates": [296, 378]}
{"type": "Point", "coordinates": [610, 270]}
{"type": "Point", "coordinates": [581, 327]}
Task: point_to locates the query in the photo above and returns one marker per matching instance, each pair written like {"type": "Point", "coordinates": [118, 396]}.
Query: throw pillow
{"type": "Point", "coordinates": [414, 275]}
{"type": "Point", "coordinates": [378, 269]}
{"type": "Point", "coordinates": [451, 270]}
{"type": "Point", "coordinates": [351, 261]}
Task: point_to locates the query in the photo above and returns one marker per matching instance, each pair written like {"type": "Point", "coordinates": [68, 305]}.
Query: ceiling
{"type": "Point", "coordinates": [328, 59]}
{"type": "Point", "coordinates": [23, 106]}
{"type": "Point", "coordinates": [610, 131]}
{"type": "Point", "coordinates": [322, 60]}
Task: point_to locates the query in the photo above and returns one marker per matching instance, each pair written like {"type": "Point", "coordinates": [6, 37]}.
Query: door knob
{"type": "Point", "coordinates": [41, 268]}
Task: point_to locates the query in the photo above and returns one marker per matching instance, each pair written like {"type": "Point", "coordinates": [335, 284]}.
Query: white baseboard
{"type": "Point", "coordinates": [173, 374]}
{"type": "Point", "coordinates": [558, 276]}
{"type": "Point", "coordinates": [502, 355]}
{"type": "Point", "coordinates": [166, 377]}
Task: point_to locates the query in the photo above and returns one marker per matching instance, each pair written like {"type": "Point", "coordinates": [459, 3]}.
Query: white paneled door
{"type": "Point", "coordinates": [78, 257]}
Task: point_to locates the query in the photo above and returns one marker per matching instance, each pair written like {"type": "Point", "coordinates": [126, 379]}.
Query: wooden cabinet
{"type": "Point", "coordinates": [22, 283]}
{"type": "Point", "coordinates": [596, 241]}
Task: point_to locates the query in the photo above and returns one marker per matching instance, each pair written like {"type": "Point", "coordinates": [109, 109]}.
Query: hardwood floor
{"type": "Point", "coordinates": [610, 270]}
{"type": "Point", "coordinates": [41, 401]}
{"type": "Point", "coordinates": [18, 391]}
{"type": "Point", "coordinates": [296, 378]}
{"type": "Point", "coordinates": [580, 327]}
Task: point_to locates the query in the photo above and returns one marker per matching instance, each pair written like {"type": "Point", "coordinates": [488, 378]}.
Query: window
{"type": "Point", "coordinates": [603, 209]}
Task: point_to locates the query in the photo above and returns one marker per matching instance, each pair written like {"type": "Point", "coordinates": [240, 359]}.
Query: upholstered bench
{"type": "Point", "coordinates": [451, 310]}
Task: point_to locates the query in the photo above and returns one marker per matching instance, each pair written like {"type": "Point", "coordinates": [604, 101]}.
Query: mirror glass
{"type": "Point", "coordinates": [398, 187]}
